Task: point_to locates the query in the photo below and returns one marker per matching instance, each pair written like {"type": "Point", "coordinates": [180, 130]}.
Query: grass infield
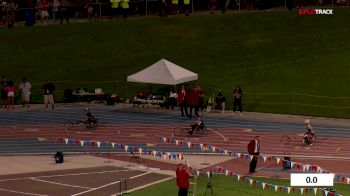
{"type": "Point", "coordinates": [226, 186]}
{"type": "Point", "coordinates": [277, 57]}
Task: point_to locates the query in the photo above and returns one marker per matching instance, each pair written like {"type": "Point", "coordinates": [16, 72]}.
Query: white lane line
{"type": "Point", "coordinates": [150, 184]}
{"type": "Point", "coordinates": [63, 175]}
{"type": "Point", "coordinates": [12, 191]}
{"type": "Point", "coordinates": [216, 132]}
{"type": "Point", "coordinates": [139, 175]}
{"type": "Point", "coordinates": [61, 184]}
{"type": "Point", "coordinates": [97, 188]}
{"type": "Point", "coordinates": [110, 184]}
{"type": "Point", "coordinates": [248, 130]}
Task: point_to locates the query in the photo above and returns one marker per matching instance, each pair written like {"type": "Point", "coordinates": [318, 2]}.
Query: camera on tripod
{"type": "Point", "coordinates": [209, 186]}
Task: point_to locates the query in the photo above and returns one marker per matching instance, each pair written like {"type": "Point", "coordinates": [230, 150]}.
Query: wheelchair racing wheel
{"type": "Point", "coordinates": [91, 125]}
{"type": "Point", "coordinates": [69, 125]}
{"type": "Point", "coordinates": [285, 139]}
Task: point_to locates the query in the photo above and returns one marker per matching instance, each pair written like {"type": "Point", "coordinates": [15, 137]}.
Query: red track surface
{"type": "Point", "coordinates": [238, 139]}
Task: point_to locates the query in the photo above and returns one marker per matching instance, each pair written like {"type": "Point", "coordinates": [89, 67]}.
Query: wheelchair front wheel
{"type": "Point", "coordinates": [204, 131]}
{"type": "Point", "coordinates": [68, 125]}
{"type": "Point", "coordinates": [91, 125]}
{"type": "Point", "coordinates": [285, 139]}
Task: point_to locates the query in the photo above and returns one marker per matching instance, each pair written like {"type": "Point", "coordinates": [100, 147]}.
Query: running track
{"type": "Point", "coordinates": [138, 127]}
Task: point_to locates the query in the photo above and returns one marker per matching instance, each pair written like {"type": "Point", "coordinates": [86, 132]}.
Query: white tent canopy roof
{"type": "Point", "coordinates": [163, 72]}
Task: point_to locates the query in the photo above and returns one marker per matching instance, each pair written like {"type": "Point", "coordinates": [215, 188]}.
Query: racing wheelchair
{"type": "Point", "coordinates": [89, 123]}
{"type": "Point", "coordinates": [189, 130]}
{"type": "Point", "coordinates": [81, 124]}
{"type": "Point", "coordinates": [306, 139]}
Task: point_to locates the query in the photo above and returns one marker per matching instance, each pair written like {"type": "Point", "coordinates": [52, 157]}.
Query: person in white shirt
{"type": "Point", "coordinates": [172, 98]}
{"type": "Point", "coordinates": [25, 90]}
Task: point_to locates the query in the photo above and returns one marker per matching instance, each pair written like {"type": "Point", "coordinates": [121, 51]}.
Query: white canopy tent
{"type": "Point", "coordinates": [163, 72]}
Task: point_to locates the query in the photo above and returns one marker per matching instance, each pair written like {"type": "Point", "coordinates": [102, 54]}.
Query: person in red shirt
{"type": "Point", "coordinates": [43, 6]}
{"type": "Point", "coordinates": [181, 99]}
{"type": "Point", "coordinates": [192, 100]}
{"type": "Point", "coordinates": [183, 179]}
{"type": "Point", "coordinates": [10, 89]}
{"type": "Point", "coordinates": [254, 149]}
{"type": "Point", "coordinates": [200, 99]}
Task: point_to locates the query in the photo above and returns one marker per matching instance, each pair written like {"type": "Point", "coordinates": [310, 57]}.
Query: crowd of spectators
{"type": "Point", "coordinates": [192, 102]}
{"type": "Point", "coordinates": [10, 94]}
{"type": "Point", "coordinates": [30, 10]}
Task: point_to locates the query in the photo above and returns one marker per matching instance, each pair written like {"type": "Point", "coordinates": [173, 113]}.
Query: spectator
{"type": "Point", "coordinates": [48, 91]}
{"type": "Point", "coordinates": [213, 5]}
{"type": "Point", "coordinates": [163, 8]}
{"type": "Point", "coordinates": [175, 6]}
{"type": "Point", "coordinates": [94, 9]}
{"type": "Point", "coordinates": [201, 99]}
{"type": "Point", "coordinates": [254, 150]}
{"type": "Point", "coordinates": [187, 6]}
{"type": "Point", "coordinates": [342, 2]}
{"type": "Point", "coordinates": [210, 105]}
{"type": "Point", "coordinates": [2, 14]}
{"type": "Point", "coordinates": [55, 7]}
{"type": "Point", "coordinates": [10, 90]}
{"type": "Point", "coordinates": [63, 9]}
{"type": "Point", "coordinates": [42, 6]}
{"type": "Point", "coordinates": [115, 8]}
{"type": "Point", "coordinates": [290, 4]}
{"type": "Point", "coordinates": [25, 91]}
{"type": "Point", "coordinates": [192, 100]}
{"type": "Point", "coordinates": [124, 4]}
{"type": "Point", "coordinates": [11, 9]}
{"type": "Point", "coordinates": [251, 4]}
{"type": "Point", "coordinates": [299, 4]}
{"type": "Point", "coordinates": [237, 100]}
{"type": "Point", "coordinates": [183, 179]}
{"type": "Point", "coordinates": [172, 98]}
{"type": "Point", "coordinates": [220, 100]}
{"type": "Point", "coordinates": [3, 93]}
{"type": "Point", "coordinates": [222, 5]}
{"type": "Point", "coordinates": [181, 99]}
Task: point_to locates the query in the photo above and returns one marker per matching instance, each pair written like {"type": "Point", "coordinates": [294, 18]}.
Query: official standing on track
{"type": "Point", "coordinates": [254, 149]}
{"type": "Point", "coordinates": [183, 179]}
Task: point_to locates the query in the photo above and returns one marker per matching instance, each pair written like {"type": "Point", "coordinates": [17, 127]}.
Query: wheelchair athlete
{"type": "Point", "coordinates": [90, 120]}
{"type": "Point", "coordinates": [198, 125]}
{"type": "Point", "coordinates": [309, 135]}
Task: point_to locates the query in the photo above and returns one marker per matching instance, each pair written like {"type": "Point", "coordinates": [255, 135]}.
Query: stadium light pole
{"type": "Point", "coordinates": [192, 2]}
{"type": "Point", "coordinates": [146, 8]}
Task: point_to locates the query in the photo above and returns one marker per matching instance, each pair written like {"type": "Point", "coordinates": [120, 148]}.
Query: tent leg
{"type": "Point", "coordinates": [125, 94]}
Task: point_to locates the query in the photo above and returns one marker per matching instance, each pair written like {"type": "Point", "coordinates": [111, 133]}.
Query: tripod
{"type": "Point", "coordinates": [209, 186]}
{"type": "Point", "coordinates": [276, 176]}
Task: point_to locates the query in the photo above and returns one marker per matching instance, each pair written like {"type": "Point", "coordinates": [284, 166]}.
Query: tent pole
{"type": "Point", "coordinates": [126, 91]}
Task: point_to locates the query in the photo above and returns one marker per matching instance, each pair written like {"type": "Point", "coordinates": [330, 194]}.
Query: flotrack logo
{"type": "Point", "coordinates": [315, 12]}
